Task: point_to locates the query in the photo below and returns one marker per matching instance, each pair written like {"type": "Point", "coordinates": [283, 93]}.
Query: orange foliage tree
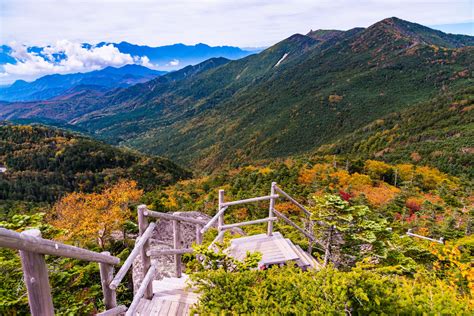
{"type": "Point", "coordinates": [94, 216]}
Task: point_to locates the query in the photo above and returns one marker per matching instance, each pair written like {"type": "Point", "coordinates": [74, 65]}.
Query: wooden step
{"type": "Point", "coordinates": [302, 261]}
{"type": "Point", "coordinates": [170, 283]}
{"type": "Point", "coordinates": [312, 261]}
{"type": "Point", "coordinates": [142, 307]}
{"type": "Point", "coordinates": [274, 249]}
{"type": "Point", "coordinates": [172, 296]}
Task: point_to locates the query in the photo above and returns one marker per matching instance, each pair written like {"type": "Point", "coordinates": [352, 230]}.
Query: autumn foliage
{"type": "Point", "coordinates": [94, 216]}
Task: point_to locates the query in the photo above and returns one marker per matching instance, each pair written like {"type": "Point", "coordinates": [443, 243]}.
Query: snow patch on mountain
{"type": "Point", "coordinates": [281, 59]}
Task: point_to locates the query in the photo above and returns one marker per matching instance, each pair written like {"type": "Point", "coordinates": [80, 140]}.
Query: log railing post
{"type": "Point", "coordinates": [35, 274]}
{"type": "Point", "coordinates": [198, 234]}
{"type": "Point", "coordinates": [177, 245]}
{"type": "Point", "coordinates": [220, 221]}
{"type": "Point", "coordinates": [146, 261]}
{"type": "Point", "coordinates": [106, 276]}
{"type": "Point", "coordinates": [270, 210]}
{"type": "Point", "coordinates": [310, 241]}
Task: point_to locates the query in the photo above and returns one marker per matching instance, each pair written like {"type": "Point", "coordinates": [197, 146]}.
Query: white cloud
{"type": "Point", "coordinates": [76, 59]}
{"type": "Point", "coordinates": [174, 63]}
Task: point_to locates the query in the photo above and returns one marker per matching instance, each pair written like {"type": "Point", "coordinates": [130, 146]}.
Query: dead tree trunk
{"type": "Point", "coordinates": [327, 254]}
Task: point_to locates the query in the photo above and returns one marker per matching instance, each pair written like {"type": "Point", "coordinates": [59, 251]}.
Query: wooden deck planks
{"type": "Point", "coordinates": [172, 297]}
{"type": "Point", "coordinates": [275, 249]}
{"type": "Point", "coordinates": [174, 308]}
{"type": "Point", "coordinates": [140, 306]}
{"type": "Point", "coordinates": [156, 304]}
{"type": "Point", "coordinates": [164, 308]}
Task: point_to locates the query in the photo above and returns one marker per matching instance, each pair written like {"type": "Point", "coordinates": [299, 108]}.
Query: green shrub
{"type": "Point", "coordinates": [289, 291]}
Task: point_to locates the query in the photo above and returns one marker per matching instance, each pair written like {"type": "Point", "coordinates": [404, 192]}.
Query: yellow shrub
{"type": "Point", "coordinates": [376, 169]}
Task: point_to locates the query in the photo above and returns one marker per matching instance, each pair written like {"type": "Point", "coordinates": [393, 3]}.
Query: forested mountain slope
{"type": "Point", "coordinates": [439, 132]}
{"type": "Point", "coordinates": [43, 164]}
{"type": "Point", "coordinates": [295, 96]}
{"type": "Point", "coordinates": [75, 104]}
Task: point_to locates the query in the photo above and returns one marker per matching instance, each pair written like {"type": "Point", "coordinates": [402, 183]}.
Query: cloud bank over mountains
{"type": "Point", "coordinates": [64, 57]}
{"type": "Point", "coordinates": [18, 61]}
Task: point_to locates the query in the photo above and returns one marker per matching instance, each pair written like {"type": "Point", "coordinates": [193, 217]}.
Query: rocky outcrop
{"type": "Point", "coordinates": [163, 239]}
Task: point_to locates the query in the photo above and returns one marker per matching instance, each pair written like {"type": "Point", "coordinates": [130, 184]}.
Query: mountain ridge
{"type": "Point", "coordinates": [51, 86]}
{"type": "Point", "coordinates": [290, 98]}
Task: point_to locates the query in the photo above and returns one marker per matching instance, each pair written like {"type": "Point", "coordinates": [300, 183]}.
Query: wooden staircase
{"type": "Point", "coordinates": [171, 296]}
{"type": "Point", "coordinates": [275, 250]}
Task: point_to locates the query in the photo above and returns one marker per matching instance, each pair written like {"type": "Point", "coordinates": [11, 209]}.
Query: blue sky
{"type": "Point", "coordinates": [459, 28]}
{"type": "Point", "coordinates": [215, 22]}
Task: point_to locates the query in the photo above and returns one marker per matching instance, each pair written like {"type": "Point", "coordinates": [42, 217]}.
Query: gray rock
{"type": "Point", "coordinates": [163, 239]}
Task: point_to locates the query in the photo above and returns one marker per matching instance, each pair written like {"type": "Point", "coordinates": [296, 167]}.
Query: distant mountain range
{"type": "Point", "coordinates": [305, 93]}
{"type": "Point", "coordinates": [51, 86]}
{"type": "Point", "coordinates": [167, 57]}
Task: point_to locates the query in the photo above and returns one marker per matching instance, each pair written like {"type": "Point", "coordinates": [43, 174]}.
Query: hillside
{"type": "Point", "coordinates": [439, 132]}
{"type": "Point", "coordinates": [73, 105]}
{"type": "Point", "coordinates": [252, 108]}
{"type": "Point", "coordinates": [43, 164]}
{"type": "Point", "coordinates": [303, 92]}
{"type": "Point", "coordinates": [50, 86]}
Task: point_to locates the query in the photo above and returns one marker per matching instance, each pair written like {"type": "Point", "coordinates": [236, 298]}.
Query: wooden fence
{"type": "Point", "coordinates": [33, 248]}
{"type": "Point", "coordinates": [273, 215]}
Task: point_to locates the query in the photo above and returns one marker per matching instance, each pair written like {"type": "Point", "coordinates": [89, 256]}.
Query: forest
{"type": "Point", "coordinates": [374, 266]}
{"type": "Point", "coordinates": [44, 164]}
{"type": "Point", "coordinates": [369, 130]}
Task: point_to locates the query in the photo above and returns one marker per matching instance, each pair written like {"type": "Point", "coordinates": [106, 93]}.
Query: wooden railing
{"type": "Point", "coordinates": [223, 206]}
{"type": "Point", "coordinates": [273, 215]}
{"type": "Point", "coordinates": [33, 248]}
{"type": "Point", "coordinates": [142, 246]}
{"type": "Point", "coordinates": [309, 223]}
{"type": "Point", "coordinates": [411, 234]}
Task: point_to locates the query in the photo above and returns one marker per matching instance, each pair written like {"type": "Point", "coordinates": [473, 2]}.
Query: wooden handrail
{"type": "Point", "coordinates": [291, 223]}
{"type": "Point", "coordinates": [219, 236]}
{"type": "Point", "coordinates": [173, 217]}
{"type": "Point", "coordinates": [292, 200]}
{"type": "Point", "coordinates": [141, 291]}
{"type": "Point", "coordinates": [128, 263]}
{"type": "Point", "coordinates": [209, 224]}
{"type": "Point", "coordinates": [440, 241]}
{"type": "Point", "coordinates": [257, 221]}
{"type": "Point", "coordinates": [13, 240]}
{"type": "Point", "coordinates": [255, 199]}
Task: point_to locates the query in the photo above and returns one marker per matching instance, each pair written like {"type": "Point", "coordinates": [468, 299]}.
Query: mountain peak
{"type": "Point", "coordinates": [414, 33]}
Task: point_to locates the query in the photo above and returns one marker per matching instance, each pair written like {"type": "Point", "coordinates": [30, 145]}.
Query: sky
{"type": "Point", "coordinates": [214, 22]}
{"type": "Point", "coordinates": [242, 23]}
